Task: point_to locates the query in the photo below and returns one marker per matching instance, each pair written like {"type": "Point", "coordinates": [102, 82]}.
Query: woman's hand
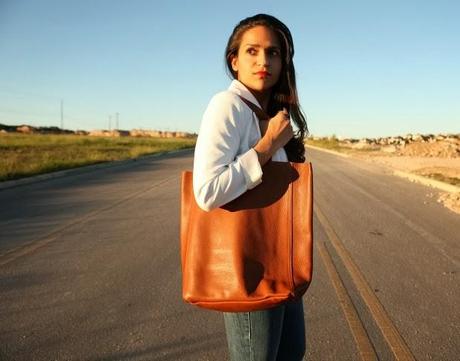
{"type": "Point", "coordinates": [280, 129]}
{"type": "Point", "coordinates": [278, 133]}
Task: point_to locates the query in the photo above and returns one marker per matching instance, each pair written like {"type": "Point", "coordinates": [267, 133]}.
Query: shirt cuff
{"type": "Point", "coordinates": [251, 168]}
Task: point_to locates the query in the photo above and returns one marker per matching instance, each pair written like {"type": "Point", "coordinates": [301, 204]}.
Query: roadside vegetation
{"type": "Point", "coordinates": [331, 143]}
{"type": "Point", "coordinates": [24, 155]}
{"type": "Point", "coordinates": [325, 142]}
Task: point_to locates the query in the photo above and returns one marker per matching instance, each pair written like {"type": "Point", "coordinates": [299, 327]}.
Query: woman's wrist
{"type": "Point", "coordinates": [264, 150]}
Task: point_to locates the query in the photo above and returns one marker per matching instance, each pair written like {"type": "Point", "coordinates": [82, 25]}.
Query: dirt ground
{"type": "Point", "coordinates": [420, 160]}
{"type": "Point", "coordinates": [448, 167]}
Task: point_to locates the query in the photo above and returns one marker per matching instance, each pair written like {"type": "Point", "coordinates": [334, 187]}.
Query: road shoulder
{"type": "Point", "coordinates": [450, 194]}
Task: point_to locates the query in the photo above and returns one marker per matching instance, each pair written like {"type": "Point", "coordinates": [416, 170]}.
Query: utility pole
{"type": "Point", "coordinates": [62, 114]}
{"type": "Point", "coordinates": [118, 126]}
{"type": "Point", "coordinates": [110, 122]}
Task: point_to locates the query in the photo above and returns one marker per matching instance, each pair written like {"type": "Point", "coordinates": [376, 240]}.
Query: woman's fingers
{"type": "Point", "coordinates": [286, 113]}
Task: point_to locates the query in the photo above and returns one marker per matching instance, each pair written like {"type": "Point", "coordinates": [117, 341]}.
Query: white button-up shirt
{"type": "Point", "coordinates": [225, 165]}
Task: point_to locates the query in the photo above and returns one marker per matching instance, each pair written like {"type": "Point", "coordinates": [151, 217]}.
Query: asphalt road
{"type": "Point", "coordinates": [90, 268]}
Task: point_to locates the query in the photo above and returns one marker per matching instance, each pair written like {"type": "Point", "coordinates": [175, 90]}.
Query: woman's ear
{"type": "Point", "coordinates": [234, 63]}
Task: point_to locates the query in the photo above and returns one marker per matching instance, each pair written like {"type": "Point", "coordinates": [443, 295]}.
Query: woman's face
{"type": "Point", "coordinates": [259, 51]}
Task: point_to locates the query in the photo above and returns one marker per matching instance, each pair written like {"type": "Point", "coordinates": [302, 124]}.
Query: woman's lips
{"type": "Point", "coordinates": [263, 74]}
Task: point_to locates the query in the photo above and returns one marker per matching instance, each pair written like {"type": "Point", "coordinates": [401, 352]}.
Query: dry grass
{"type": "Point", "coordinates": [24, 155]}
{"type": "Point", "coordinates": [328, 143]}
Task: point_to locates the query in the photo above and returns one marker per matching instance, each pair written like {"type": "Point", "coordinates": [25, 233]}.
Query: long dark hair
{"type": "Point", "coordinates": [284, 93]}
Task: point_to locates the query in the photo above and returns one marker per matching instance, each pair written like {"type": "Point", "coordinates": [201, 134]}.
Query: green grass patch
{"type": "Point", "coordinates": [24, 155]}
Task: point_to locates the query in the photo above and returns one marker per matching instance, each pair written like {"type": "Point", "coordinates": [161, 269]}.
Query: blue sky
{"type": "Point", "coordinates": [364, 68]}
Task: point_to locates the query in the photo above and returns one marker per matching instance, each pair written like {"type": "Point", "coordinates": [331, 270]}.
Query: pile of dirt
{"type": "Point", "coordinates": [441, 149]}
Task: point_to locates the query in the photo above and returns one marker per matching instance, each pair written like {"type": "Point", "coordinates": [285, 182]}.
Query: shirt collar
{"type": "Point", "coordinates": [239, 88]}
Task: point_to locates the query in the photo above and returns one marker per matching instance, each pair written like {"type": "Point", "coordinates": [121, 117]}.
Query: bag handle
{"type": "Point", "coordinates": [259, 112]}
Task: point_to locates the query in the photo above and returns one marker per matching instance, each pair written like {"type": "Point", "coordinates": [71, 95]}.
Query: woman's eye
{"type": "Point", "coordinates": [272, 52]}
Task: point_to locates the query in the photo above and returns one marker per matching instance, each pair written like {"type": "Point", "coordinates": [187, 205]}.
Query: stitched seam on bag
{"type": "Point", "coordinates": [290, 227]}
{"type": "Point", "coordinates": [187, 243]}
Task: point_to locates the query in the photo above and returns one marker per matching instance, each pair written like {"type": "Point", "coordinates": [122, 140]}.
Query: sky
{"type": "Point", "coordinates": [363, 68]}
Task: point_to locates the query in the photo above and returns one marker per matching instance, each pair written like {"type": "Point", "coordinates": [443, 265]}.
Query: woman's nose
{"type": "Point", "coordinates": [262, 59]}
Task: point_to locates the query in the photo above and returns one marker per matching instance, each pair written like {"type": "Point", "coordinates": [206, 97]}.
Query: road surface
{"type": "Point", "coordinates": [90, 268]}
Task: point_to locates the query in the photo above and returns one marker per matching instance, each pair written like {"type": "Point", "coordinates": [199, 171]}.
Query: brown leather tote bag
{"type": "Point", "coordinates": [254, 252]}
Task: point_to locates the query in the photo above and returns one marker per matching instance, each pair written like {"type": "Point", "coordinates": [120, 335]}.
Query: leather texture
{"type": "Point", "coordinates": [254, 252]}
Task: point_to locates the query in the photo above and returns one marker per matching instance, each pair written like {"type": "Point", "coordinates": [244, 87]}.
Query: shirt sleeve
{"type": "Point", "coordinates": [220, 174]}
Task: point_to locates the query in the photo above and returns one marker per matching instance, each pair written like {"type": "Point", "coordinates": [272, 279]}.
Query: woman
{"type": "Point", "coordinates": [232, 147]}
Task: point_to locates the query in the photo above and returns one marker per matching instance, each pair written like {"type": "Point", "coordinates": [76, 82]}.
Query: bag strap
{"type": "Point", "coordinates": [259, 112]}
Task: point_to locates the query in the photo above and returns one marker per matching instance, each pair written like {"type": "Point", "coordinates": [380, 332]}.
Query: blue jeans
{"type": "Point", "coordinates": [275, 334]}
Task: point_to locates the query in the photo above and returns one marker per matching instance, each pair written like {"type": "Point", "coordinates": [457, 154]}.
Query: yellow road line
{"type": "Point", "coordinates": [395, 341]}
{"type": "Point", "coordinates": [365, 348]}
